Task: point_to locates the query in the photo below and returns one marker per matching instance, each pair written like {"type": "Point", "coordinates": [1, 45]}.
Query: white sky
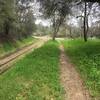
{"type": "Point", "coordinates": [38, 15]}
{"type": "Point", "coordinates": [43, 22]}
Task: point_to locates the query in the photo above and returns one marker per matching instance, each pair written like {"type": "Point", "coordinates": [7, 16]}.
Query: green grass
{"type": "Point", "coordinates": [86, 57]}
{"type": "Point", "coordinates": [8, 47]}
{"type": "Point", "coordinates": [35, 77]}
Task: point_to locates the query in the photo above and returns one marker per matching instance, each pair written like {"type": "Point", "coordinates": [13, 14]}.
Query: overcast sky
{"type": "Point", "coordinates": [38, 15]}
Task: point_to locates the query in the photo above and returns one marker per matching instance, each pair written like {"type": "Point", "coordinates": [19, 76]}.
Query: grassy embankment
{"type": "Point", "coordinates": [35, 77]}
{"type": "Point", "coordinates": [9, 46]}
{"type": "Point", "coordinates": [86, 57]}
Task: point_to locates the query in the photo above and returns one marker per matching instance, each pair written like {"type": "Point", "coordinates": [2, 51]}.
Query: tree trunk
{"type": "Point", "coordinates": [85, 30]}
{"type": "Point", "coordinates": [6, 28]}
{"type": "Point", "coordinates": [70, 32]}
{"type": "Point", "coordinates": [54, 36]}
{"type": "Point", "coordinates": [87, 24]}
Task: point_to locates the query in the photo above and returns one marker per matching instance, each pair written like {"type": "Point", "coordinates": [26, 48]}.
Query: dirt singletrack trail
{"type": "Point", "coordinates": [6, 62]}
{"type": "Point", "coordinates": [71, 81]}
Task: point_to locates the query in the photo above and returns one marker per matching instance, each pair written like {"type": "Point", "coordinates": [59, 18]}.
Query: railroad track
{"type": "Point", "coordinates": [6, 62]}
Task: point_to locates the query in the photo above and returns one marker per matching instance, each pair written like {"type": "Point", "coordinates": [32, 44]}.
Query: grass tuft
{"type": "Point", "coordinates": [7, 47]}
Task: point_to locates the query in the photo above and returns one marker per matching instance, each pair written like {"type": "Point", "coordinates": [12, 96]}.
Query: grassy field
{"type": "Point", "coordinates": [35, 77]}
{"type": "Point", "coordinates": [86, 57]}
{"type": "Point", "coordinates": [8, 46]}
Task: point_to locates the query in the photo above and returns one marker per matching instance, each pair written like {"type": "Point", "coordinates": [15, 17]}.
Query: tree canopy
{"type": "Point", "coordinates": [16, 18]}
{"type": "Point", "coordinates": [57, 10]}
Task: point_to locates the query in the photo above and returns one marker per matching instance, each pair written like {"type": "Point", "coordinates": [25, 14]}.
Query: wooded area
{"type": "Point", "coordinates": [16, 19]}
{"type": "Point", "coordinates": [87, 12]}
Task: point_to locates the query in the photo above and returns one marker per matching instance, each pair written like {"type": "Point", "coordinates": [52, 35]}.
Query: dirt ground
{"type": "Point", "coordinates": [71, 81]}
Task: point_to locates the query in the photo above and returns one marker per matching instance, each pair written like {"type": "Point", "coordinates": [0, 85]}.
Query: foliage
{"type": "Point", "coordinates": [86, 57]}
{"type": "Point", "coordinates": [16, 18]}
{"type": "Point", "coordinates": [7, 15]}
{"type": "Point", "coordinates": [56, 10]}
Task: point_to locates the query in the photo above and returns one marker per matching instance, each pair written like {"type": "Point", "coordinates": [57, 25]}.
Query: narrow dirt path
{"type": "Point", "coordinates": [71, 81]}
{"type": "Point", "coordinates": [6, 62]}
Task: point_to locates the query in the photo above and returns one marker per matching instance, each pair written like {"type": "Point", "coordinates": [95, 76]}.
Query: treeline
{"type": "Point", "coordinates": [16, 19]}
{"type": "Point", "coordinates": [86, 13]}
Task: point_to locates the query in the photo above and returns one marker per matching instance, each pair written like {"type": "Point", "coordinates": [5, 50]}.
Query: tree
{"type": "Point", "coordinates": [29, 23]}
{"type": "Point", "coordinates": [25, 17]}
{"type": "Point", "coordinates": [86, 8]}
{"type": "Point", "coordinates": [56, 10]}
{"type": "Point", "coordinates": [7, 15]}
{"type": "Point", "coordinates": [16, 18]}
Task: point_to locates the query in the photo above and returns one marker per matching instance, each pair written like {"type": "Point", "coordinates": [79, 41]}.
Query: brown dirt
{"type": "Point", "coordinates": [71, 81]}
